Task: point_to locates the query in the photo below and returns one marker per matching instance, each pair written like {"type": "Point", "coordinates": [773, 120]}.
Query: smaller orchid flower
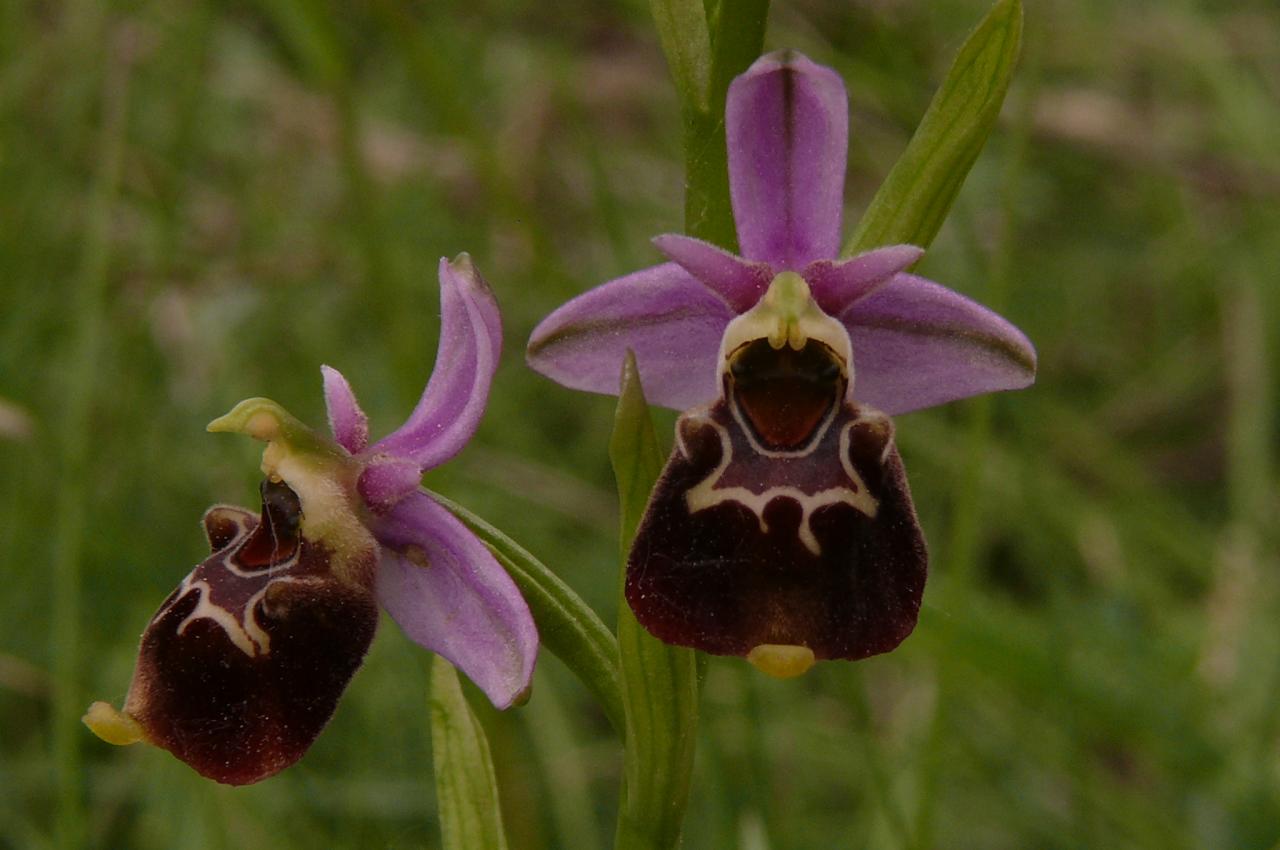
{"type": "Point", "coordinates": [243, 665]}
{"type": "Point", "coordinates": [782, 528]}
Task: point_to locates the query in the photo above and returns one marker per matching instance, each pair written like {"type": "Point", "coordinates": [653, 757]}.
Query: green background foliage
{"type": "Point", "coordinates": [201, 202]}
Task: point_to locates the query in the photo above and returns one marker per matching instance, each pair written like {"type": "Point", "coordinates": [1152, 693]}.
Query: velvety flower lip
{"type": "Point", "coordinates": [261, 639]}
{"type": "Point", "coordinates": [915, 342]}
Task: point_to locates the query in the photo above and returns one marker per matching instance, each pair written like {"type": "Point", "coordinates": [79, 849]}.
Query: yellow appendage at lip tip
{"type": "Point", "coordinates": [780, 660]}
{"type": "Point", "coordinates": [112, 726]}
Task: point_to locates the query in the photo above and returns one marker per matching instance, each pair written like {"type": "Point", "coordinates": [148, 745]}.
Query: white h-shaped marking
{"type": "Point", "coordinates": [705, 494]}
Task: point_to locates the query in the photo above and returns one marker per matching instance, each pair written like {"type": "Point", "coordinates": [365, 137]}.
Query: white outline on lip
{"type": "Point", "coordinates": [705, 494]}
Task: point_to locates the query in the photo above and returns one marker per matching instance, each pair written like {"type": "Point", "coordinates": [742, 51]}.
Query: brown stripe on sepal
{"type": "Point", "coordinates": [243, 665]}
{"type": "Point", "coordinates": [742, 546]}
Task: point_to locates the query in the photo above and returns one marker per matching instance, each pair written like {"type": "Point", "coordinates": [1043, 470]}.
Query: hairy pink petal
{"type": "Point", "coordinates": [347, 422]}
{"type": "Point", "coordinates": [836, 284]}
{"type": "Point", "coordinates": [739, 282]}
{"type": "Point", "coordinates": [387, 480]}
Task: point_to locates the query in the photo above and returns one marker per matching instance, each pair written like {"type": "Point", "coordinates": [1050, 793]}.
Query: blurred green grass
{"type": "Point", "coordinates": [1098, 663]}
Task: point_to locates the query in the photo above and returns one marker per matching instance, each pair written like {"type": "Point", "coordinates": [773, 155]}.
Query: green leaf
{"type": "Point", "coordinates": [915, 198]}
{"type": "Point", "coordinates": [659, 682]}
{"type": "Point", "coordinates": [686, 40]}
{"type": "Point", "coordinates": [466, 789]}
{"type": "Point", "coordinates": [566, 625]}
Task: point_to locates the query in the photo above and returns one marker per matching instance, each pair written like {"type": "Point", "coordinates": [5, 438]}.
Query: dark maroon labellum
{"type": "Point", "coordinates": [783, 517]}
{"type": "Point", "coordinates": [243, 664]}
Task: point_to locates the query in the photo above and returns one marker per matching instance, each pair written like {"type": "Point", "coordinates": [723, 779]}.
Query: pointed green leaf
{"type": "Point", "coordinates": [659, 682]}
{"type": "Point", "coordinates": [566, 625]}
{"type": "Point", "coordinates": [915, 198]}
{"type": "Point", "coordinates": [686, 40]}
{"type": "Point", "coordinates": [466, 788]}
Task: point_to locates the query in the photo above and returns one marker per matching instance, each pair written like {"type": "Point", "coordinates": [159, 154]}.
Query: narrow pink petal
{"type": "Point", "coordinates": [454, 400]}
{"type": "Point", "coordinates": [347, 422]}
{"type": "Point", "coordinates": [446, 591]}
{"type": "Point", "coordinates": [917, 344]}
{"type": "Point", "coordinates": [662, 313]}
{"type": "Point", "coordinates": [739, 282]}
{"type": "Point", "coordinates": [836, 284]}
{"type": "Point", "coordinates": [787, 126]}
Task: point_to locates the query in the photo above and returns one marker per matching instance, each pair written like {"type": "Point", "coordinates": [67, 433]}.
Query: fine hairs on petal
{"type": "Point", "coordinates": [347, 422]}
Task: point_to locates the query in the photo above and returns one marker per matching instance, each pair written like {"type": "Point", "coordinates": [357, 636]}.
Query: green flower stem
{"type": "Point", "coordinates": [466, 787]}
{"type": "Point", "coordinates": [553, 731]}
{"type": "Point", "coordinates": [659, 682]}
{"type": "Point", "coordinates": [915, 198]}
{"type": "Point", "coordinates": [566, 625]}
{"type": "Point", "coordinates": [76, 399]}
{"type": "Point", "coordinates": [705, 51]}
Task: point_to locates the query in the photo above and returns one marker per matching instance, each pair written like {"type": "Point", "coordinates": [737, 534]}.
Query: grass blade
{"type": "Point", "coordinates": [659, 682]}
{"type": "Point", "coordinates": [466, 787]}
{"type": "Point", "coordinates": [915, 198]}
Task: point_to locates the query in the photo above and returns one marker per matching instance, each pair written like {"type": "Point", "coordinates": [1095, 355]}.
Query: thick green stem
{"type": "Point", "coordinates": [704, 57]}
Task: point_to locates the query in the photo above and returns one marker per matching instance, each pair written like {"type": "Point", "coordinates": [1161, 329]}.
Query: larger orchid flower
{"type": "Point", "coordinates": [782, 528]}
{"type": "Point", "coordinates": [243, 664]}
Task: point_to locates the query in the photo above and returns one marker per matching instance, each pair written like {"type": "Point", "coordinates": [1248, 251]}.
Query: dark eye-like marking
{"type": "Point", "coordinates": [784, 394]}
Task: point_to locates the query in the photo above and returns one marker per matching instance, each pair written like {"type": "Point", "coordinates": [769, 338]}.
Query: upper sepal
{"type": "Point", "coordinates": [787, 132]}
{"type": "Point", "coordinates": [243, 664]}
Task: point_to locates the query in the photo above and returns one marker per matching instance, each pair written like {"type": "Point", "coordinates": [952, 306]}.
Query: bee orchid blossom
{"type": "Point", "coordinates": [782, 528]}
{"type": "Point", "coordinates": [243, 665]}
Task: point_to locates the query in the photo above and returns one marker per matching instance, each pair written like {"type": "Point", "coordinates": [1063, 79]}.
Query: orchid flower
{"type": "Point", "coordinates": [243, 664]}
{"type": "Point", "coordinates": [782, 528]}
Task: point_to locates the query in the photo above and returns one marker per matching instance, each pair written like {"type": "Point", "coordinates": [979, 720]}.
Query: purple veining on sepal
{"type": "Point", "coordinates": [449, 594]}
{"type": "Point", "coordinates": [454, 400]}
{"type": "Point", "coordinates": [671, 322]}
{"type": "Point", "coordinates": [918, 344]}
{"type": "Point", "coordinates": [787, 130]}
{"type": "Point", "coordinates": [347, 422]}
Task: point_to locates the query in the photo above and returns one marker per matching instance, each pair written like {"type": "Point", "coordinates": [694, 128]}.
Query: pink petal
{"type": "Point", "coordinates": [739, 282]}
{"type": "Point", "coordinates": [454, 400]}
{"type": "Point", "coordinates": [347, 422]}
{"type": "Point", "coordinates": [787, 126]}
{"type": "Point", "coordinates": [664, 315]}
{"type": "Point", "coordinates": [836, 284]}
{"type": "Point", "coordinates": [917, 344]}
{"type": "Point", "coordinates": [387, 480]}
{"type": "Point", "coordinates": [446, 591]}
